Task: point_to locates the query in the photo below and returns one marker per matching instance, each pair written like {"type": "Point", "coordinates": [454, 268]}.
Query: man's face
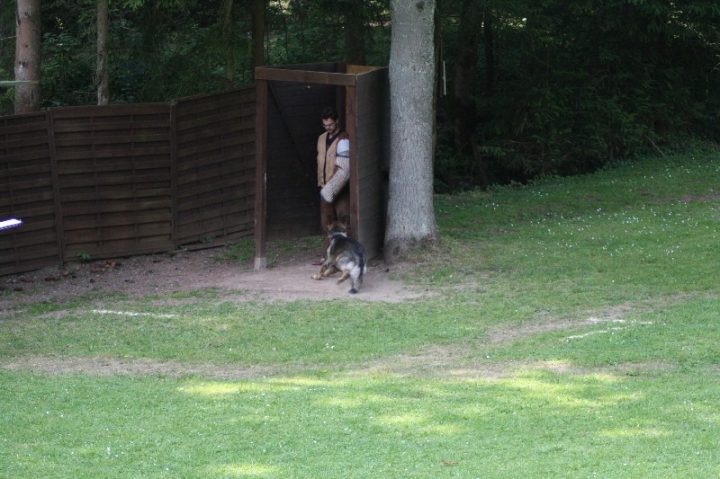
{"type": "Point", "coordinates": [329, 124]}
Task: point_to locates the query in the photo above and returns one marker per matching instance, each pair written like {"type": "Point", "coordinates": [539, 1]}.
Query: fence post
{"type": "Point", "coordinates": [261, 99]}
{"type": "Point", "coordinates": [173, 174]}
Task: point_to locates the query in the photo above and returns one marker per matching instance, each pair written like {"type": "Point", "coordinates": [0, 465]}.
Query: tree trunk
{"type": "Point", "coordinates": [226, 26]}
{"type": "Point", "coordinates": [6, 32]}
{"type": "Point", "coordinates": [411, 217]}
{"type": "Point", "coordinates": [27, 56]}
{"type": "Point", "coordinates": [101, 67]}
{"type": "Point", "coordinates": [489, 51]}
{"type": "Point", "coordinates": [258, 34]}
{"type": "Point", "coordinates": [354, 32]}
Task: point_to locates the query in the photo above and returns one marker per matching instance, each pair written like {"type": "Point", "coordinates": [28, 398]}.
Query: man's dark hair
{"type": "Point", "coordinates": [329, 113]}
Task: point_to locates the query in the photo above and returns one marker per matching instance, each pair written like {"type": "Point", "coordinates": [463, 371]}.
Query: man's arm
{"type": "Point", "coordinates": [341, 176]}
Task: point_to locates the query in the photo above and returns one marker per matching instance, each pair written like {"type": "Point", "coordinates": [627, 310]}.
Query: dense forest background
{"type": "Point", "coordinates": [525, 88]}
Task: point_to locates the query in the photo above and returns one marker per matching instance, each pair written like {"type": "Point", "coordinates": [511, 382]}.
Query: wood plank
{"type": "Point", "coordinates": [143, 195]}
{"type": "Point", "coordinates": [126, 220]}
{"type": "Point", "coordinates": [104, 111]}
{"type": "Point", "coordinates": [209, 187]}
{"type": "Point", "coordinates": [241, 174]}
{"type": "Point", "coordinates": [93, 209]}
{"type": "Point", "coordinates": [215, 220]}
{"type": "Point", "coordinates": [140, 233]}
{"type": "Point", "coordinates": [245, 91]}
{"type": "Point", "coordinates": [304, 76]}
{"type": "Point", "coordinates": [210, 144]}
{"type": "Point", "coordinates": [127, 125]}
{"type": "Point", "coordinates": [238, 117]}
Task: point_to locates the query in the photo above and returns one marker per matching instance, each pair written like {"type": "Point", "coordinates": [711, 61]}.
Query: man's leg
{"type": "Point", "coordinates": [342, 209]}
{"type": "Point", "coordinates": [327, 216]}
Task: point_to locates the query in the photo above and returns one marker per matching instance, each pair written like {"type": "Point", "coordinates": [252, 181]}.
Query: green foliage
{"type": "Point", "coordinates": [164, 50]}
{"type": "Point", "coordinates": [572, 86]}
{"type": "Point", "coordinates": [239, 252]}
{"type": "Point", "coordinates": [84, 256]}
{"type": "Point", "coordinates": [67, 70]}
{"type": "Point", "coordinates": [580, 84]}
{"type": "Point", "coordinates": [312, 31]}
{"type": "Point", "coordinates": [7, 96]}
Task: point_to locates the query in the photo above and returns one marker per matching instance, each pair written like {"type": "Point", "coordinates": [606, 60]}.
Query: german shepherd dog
{"type": "Point", "coordinates": [343, 254]}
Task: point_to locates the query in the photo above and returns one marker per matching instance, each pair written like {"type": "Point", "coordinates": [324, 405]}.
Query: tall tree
{"type": "Point", "coordinates": [225, 20]}
{"type": "Point", "coordinates": [27, 55]}
{"type": "Point", "coordinates": [411, 217]}
{"type": "Point", "coordinates": [259, 8]}
{"type": "Point", "coordinates": [7, 52]}
{"type": "Point", "coordinates": [101, 65]}
{"type": "Point", "coordinates": [355, 26]}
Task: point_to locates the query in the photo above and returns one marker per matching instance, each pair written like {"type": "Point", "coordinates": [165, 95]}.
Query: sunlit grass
{"type": "Point", "coordinates": [380, 426]}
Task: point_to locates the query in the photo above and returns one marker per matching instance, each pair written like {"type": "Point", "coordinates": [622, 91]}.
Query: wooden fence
{"type": "Point", "coordinates": [121, 180]}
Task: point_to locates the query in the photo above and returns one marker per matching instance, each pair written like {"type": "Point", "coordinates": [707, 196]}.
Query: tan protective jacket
{"type": "Point", "coordinates": [333, 166]}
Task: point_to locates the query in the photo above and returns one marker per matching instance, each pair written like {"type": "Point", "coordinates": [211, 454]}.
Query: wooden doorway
{"type": "Point", "coordinates": [289, 103]}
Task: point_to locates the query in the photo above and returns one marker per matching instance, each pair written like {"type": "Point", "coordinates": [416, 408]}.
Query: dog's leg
{"type": "Point", "coordinates": [343, 277]}
{"type": "Point", "coordinates": [331, 269]}
{"type": "Point", "coordinates": [322, 273]}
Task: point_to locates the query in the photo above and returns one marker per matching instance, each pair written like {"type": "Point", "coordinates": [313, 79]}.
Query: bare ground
{"type": "Point", "coordinates": [182, 271]}
{"type": "Point", "coordinates": [164, 274]}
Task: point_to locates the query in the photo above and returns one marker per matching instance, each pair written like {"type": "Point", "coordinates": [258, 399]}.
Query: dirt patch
{"type": "Point", "coordinates": [94, 366]}
{"type": "Point", "coordinates": [162, 275]}
{"type": "Point", "coordinates": [436, 362]}
{"type": "Point", "coordinates": [183, 271]}
{"type": "Point", "coordinates": [545, 323]}
{"type": "Point", "coordinates": [699, 198]}
{"type": "Point", "coordinates": [288, 280]}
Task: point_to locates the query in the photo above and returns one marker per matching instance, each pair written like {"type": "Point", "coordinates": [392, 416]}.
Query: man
{"type": "Point", "coordinates": [333, 173]}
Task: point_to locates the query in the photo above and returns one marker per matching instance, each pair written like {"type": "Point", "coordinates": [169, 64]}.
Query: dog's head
{"type": "Point", "coordinates": [337, 228]}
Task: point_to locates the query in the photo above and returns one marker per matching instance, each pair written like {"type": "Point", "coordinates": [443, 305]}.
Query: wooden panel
{"type": "Point", "coordinates": [122, 180]}
{"type": "Point", "coordinates": [215, 165]}
{"type": "Point", "coordinates": [372, 139]}
{"type": "Point", "coordinates": [114, 178]}
{"type": "Point", "coordinates": [315, 73]}
{"type": "Point", "coordinates": [27, 193]}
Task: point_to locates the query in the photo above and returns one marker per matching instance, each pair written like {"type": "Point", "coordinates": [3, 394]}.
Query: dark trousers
{"type": "Point", "coordinates": [338, 210]}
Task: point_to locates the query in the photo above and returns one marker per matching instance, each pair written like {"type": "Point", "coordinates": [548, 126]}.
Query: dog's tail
{"type": "Point", "coordinates": [359, 272]}
{"type": "Point", "coordinates": [362, 264]}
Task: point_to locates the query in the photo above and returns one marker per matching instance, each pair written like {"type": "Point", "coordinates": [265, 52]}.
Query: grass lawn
{"type": "Point", "coordinates": [570, 329]}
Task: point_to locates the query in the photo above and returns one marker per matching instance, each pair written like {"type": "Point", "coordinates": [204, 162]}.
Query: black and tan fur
{"type": "Point", "coordinates": [343, 254]}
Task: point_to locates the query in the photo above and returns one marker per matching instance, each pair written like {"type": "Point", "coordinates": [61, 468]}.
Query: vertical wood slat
{"type": "Point", "coordinates": [261, 100]}
{"type": "Point", "coordinates": [351, 106]}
